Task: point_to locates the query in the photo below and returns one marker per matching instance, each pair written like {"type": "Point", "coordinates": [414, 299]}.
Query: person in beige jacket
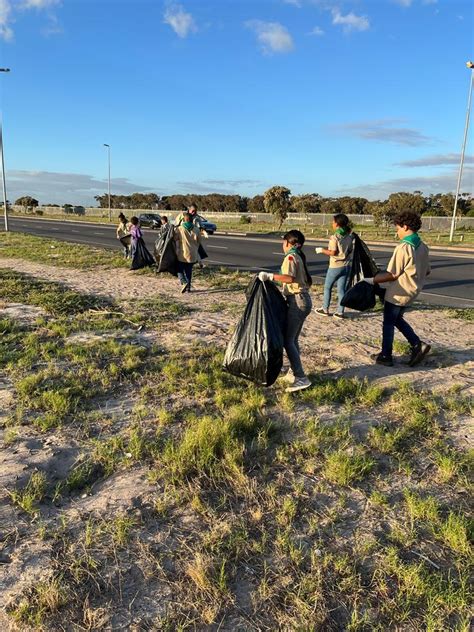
{"type": "Point", "coordinates": [405, 276]}
{"type": "Point", "coordinates": [187, 241]}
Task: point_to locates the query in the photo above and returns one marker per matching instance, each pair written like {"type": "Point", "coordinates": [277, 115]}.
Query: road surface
{"type": "Point", "coordinates": [451, 282]}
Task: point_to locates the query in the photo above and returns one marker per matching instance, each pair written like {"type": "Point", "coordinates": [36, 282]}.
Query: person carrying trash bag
{"type": "Point", "coordinates": [187, 241]}
{"type": "Point", "coordinates": [296, 281]}
{"type": "Point", "coordinates": [123, 235]}
{"type": "Point", "coordinates": [339, 251]}
{"type": "Point", "coordinates": [165, 250]}
{"type": "Point", "coordinates": [405, 276]}
{"type": "Point", "coordinates": [255, 350]}
{"type": "Point", "coordinates": [141, 258]}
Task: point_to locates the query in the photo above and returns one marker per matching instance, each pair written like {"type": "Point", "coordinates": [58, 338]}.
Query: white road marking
{"type": "Point", "coordinates": [101, 234]}
{"type": "Point", "coordinates": [54, 228]}
{"type": "Point", "coordinates": [220, 247]}
{"type": "Point", "coordinates": [74, 231]}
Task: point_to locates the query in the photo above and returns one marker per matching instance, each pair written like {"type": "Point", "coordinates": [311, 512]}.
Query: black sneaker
{"type": "Point", "coordinates": [418, 353]}
{"type": "Point", "coordinates": [184, 288]}
{"type": "Point", "coordinates": [383, 360]}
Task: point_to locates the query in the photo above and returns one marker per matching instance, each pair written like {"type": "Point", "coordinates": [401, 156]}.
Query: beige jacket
{"type": "Point", "coordinates": [343, 247]}
{"type": "Point", "coordinates": [187, 244]}
{"type": "Point", "coordinates": [412, 267]}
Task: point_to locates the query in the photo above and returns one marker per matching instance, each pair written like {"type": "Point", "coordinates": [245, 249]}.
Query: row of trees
{"type": "Point", "coordinates": [279, 201]}
{"type": "Point", "coordinates": [434, 204]}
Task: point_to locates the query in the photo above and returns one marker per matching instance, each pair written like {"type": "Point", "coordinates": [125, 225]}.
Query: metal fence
{"type": "Point", "coordinates": [313, 219]}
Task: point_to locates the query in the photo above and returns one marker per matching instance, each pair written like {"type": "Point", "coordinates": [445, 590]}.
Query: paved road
{"type": "Point", "coordinates": [450, 284]}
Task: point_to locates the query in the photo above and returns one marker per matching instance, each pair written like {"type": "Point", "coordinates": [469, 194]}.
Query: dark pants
{"type": "Point", "coordinates": [299, 306]}
{"type": "Point", "coordinates": [185, 272]}
{"type": "Point", "coordinates": [393, 317]}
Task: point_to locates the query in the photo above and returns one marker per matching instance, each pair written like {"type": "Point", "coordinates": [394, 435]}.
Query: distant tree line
{"type": "Point", "coordinates": [279, 201]}
{"type": "Point", "coordinates": [434, 204]}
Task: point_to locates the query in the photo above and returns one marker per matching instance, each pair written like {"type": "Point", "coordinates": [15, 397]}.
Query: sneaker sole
{"type": "Point", "coordinates": [294, 389]}
{"type": "Point", "coordinates": [420, 356]}
{"type": "Point", "coordinates": [321, 313]}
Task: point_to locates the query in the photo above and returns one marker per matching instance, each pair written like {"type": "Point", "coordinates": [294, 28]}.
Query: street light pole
{"type": "Point", "coordinates": [470, 65]}
{"type": "Point", "coordinates": [4, 182]}
{"type": "Point", "coordinates": [110, 208]}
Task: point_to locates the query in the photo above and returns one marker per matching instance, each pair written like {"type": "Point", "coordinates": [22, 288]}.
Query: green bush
{"type": "Point", "coordinates": [244, 219]}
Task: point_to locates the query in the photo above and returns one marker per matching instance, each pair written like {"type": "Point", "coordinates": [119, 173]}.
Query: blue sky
{"type": "Point", "coordinates": [360, 97]}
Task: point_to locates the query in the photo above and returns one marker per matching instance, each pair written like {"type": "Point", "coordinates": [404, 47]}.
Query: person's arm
{"type": "Point", "coordinates": [287, 275]}
{"type": "Point", "coordinates": [331, 250]}
{"type": "Point", "coordinates": [395, 269]}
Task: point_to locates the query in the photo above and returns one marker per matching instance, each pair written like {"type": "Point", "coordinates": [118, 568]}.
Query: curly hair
{"type": "Point", "coordinates": [408, 218]}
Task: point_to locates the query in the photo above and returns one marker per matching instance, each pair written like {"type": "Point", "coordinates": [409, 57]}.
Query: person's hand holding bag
{"type": "Point", "coordinates": [265, 276]}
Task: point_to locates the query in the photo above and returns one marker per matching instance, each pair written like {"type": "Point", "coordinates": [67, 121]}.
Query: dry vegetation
{"type": "Point", "coordinates": [145, 489]}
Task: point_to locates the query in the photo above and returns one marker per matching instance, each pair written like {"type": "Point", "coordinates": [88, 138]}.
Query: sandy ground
{"type": "Point", "coordinates": [336, 348]}
{"type": "Point", "coordinates": [329, 345]}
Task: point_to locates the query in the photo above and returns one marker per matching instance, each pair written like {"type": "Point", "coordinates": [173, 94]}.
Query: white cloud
{"type": "Point", "coordinates": [272, 36]}
{"type": "Point", "coordinates": [436, 160]}
{"type": "Point", "coordinates": [39, 4]}
{"type": "Point", "coordinates": [180, 20]}
{"type": "Point", "coordinates": [65, 188]}
{"type": "Point", "coordinates": [295, 3]}
{"type": "Point", "coordinates": [6, 32]}
{"type": "Point", "coordinates": [383, 130]}
{"type": "Point", "coordinates": [351, 21]}
{"type": "Point", "coordinates": [436, 183]}
{"type": "Point", "coordinates": [8, 7]}
{"type": "Point", "coordinates": [404, 3]}
{"type": "Point", "coordinates": [317, 31]}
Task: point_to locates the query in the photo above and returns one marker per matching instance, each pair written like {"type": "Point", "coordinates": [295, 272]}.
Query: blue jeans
{"type": "Point", "coordinates": [185, 272]}
{"type": "Point", "coordinates": [299, 306]}
{"type": "Point", "coordinates": [339, 276]}
{"type": "Point", "coordinates": [393, 317]}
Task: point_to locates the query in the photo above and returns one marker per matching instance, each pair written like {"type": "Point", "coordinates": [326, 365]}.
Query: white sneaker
{"type": "Point", "coordinates": [298, 385]}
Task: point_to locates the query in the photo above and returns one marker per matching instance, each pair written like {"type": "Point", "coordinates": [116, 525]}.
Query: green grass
{"type": "Point", "coordinates": [344, 507]}
{"type": "Point", "coordinates": [28, 497]}
{"type": "Point", "coordinates": [52, 297]}
{"type": "Point", "coordinates": [59, 253]}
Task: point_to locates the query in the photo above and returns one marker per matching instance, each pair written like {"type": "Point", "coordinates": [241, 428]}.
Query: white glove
{"type": "Point", "coordinates": [204, 234]}
{"type": "Point", "coordinates": [369, 281]}
{"type": "Point", "coordinates": [319, 250]}
{"type": "Point", "coordinates": [265, 276]}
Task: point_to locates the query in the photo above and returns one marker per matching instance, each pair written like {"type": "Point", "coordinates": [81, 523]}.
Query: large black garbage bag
{"type": "Point", "coordinates": [255, 351]}
{"type": "Point", "coordinates": [141, 257]}
{"type": "Point", "coordinates": [363, 266]}
{"type": "Point", "coordinates": [165, 252]}
{"type": "Point", "coordinates": [360, 297]}
{"type": "Point", "coordinates": [201, 252]}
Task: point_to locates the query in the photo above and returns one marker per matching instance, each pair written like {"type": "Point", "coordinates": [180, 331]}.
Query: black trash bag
{"type": "Point", "coordinates": [363, 266]}
{"type": "Point", "coordinates": [126, 240]}
{"type": "Point", "coordinates": [361, 297]}
{"type": "Point", "coordinates": [165, 252]}
{"type": "Point", "coordinates": [202, 253]}
{"type": "Point", "coordinates": [141, 257]}
{"type": "Point", "coordinates": [255, 351]}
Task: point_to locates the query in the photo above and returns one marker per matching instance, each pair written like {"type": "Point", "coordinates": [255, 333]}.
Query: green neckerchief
{"type": "Point", "coordinates": [188, 225]}
{"type": "Point", "coordinates": [413, 239]}
{"type": "Point", "coordinates": [291, 251]}
{"type": "Point", "coordinates": [342, 231]}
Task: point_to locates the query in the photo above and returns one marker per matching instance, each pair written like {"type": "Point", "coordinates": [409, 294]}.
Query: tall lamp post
{"type": "Point", "coordinates": [470, 65]}
{"type": "Point", "coordinates": [110, 208]}
{"type": "Point", "coordinates": [4, 182]}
